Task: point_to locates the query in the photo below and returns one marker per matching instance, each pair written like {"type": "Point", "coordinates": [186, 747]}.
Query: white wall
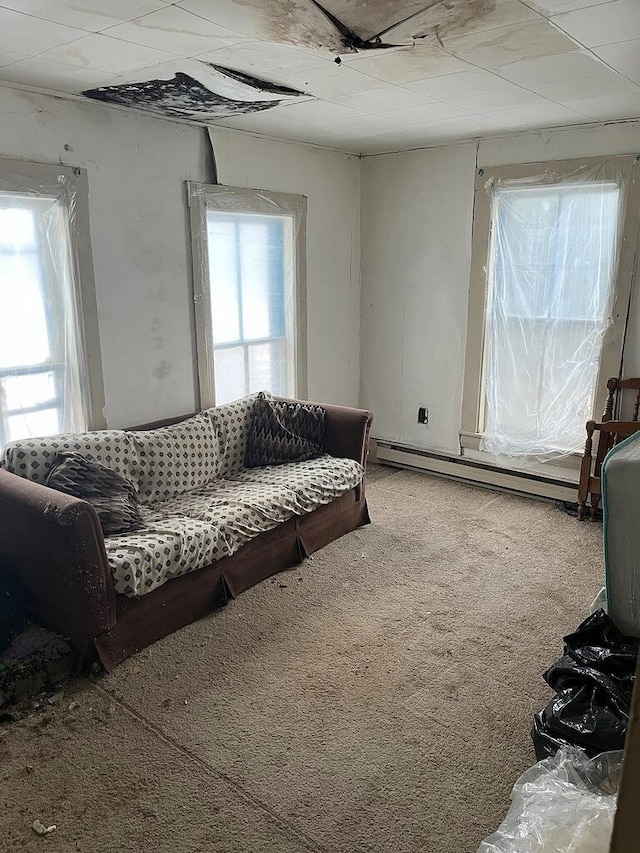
{"type": "Point", "coordinates": [137, 166]}
{"type": "Point", "coordinates": [416, 251]}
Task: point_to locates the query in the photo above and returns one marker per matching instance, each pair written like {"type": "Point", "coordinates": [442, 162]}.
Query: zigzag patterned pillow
{"type": "Point", "coordinates": [113, 496]}
{"type": "Point", "coordinates": [282, 432]}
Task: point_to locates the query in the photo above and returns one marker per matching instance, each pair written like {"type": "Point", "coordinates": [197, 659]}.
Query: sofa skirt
{"type": "Point", "coordinates": [142, 621]}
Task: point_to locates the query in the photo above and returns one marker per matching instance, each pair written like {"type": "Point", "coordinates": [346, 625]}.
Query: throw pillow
{"type": "Point", "coordinates": [282, 432]}
{"type": "Point", "coordinates": [112, 495]}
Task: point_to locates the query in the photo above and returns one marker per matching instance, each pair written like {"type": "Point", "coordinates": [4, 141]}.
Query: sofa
{"type": "Point", "coordinates": [211, 527]}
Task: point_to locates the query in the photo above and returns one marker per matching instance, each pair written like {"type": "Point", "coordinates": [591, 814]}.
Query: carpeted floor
{"type": "Point", "coordinates": [378, 698]}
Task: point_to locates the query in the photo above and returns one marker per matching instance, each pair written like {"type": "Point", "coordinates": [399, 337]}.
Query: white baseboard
{"type": "Point", "coordinates": [474, 472]}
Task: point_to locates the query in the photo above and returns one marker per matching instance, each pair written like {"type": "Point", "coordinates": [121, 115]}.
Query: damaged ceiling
{"type": "Point", "coordinates": [359, 75]}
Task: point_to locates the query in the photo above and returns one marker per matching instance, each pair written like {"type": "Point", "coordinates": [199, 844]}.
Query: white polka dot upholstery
{"type": "Point", "coordinates": [33, 458]}
{"type": "Point", "coordinates": [221, 517]}
{"type": "Point", "coordinates": [163, 549]}
{"type": "Point", "coordinates": [233, 422]}
{"type": "Point", "coordinates": [176, 459]}
{"type": "Point", "coordinates": [315, 481]}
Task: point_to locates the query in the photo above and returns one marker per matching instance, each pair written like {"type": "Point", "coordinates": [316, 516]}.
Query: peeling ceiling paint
{"type": "Point", "coordinates": [335, 25]}
{"type": "Point", "coordinates": [183, 96]}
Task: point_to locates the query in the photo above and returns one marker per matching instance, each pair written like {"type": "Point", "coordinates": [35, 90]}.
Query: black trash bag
{"type": "Point", "coordinates": [593, 681]}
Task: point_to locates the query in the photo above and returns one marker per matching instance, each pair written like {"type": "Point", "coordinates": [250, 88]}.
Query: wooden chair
{"type": "Point", "coordinates": [610, 433]}
{"type": "Point", "coordinates": [615, 390]}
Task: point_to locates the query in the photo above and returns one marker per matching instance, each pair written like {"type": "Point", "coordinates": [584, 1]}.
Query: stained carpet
{"type": "Point", "coordinates": [377, 698]}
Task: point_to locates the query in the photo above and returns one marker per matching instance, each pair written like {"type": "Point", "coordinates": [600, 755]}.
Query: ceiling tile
{"type": "Point", "coordinates": [478, 91]}
{"type": "Point", "coordinates": [30, 36]}
{"type": "Point", "coordinates": [540, 115]}
{"type": "Point", "coordinates": [318, 112]}
{"type": "Point", "coordinates": [409, 64]}
{"type": "Point", "coordinates": [56, 76]}
{"type": "Point", "coordinates": [295, 132]}
{"type": "Point", "coordinates": [8, 56]}
{"type": "Point", "coordinates": [554, 7]}
{"type": "Point", "coordinates": [623, 56]}
{"type": "Point", "coordinates": [300, 23]}
{"type": "Point", "coordinates": [588, 88]}
{"type": "Point", "coordinates": [367, 125]}
{"type": "Point", "coordinates": [472, 126]}
{"type": "Point", "coordinates": [268, 59]}
{"type": "Point", "coordinates": [273, 122]}
{"type": "Point", "coordinates": [500, 14]}
{"type": "Point", "coordinates": [176, 31]}
{"type": "Point", "coordinates": [427, 113]}
{"type": "Point", "coordinates": [452, 87]}
{"type": "Point", "coordinates": [333, 81]}
{"type": "Point", "coordinates": [510, 44]}
{"type": "Point", "coordinates": [103, 53]}
{"type": "Point", "coordinates": [90, 15]}
{"type": "Point", "coordinates": [549, 69]}
{"type": "Point", "coordinates": [604, 24]}
{"type": "Point", "coordinates": [384, 99]}
{"type": "Point", "coordinates": [608, 108]}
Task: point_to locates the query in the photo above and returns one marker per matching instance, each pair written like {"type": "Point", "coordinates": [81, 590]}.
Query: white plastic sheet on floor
{"type": "Point", "coordinates": [564, 804]}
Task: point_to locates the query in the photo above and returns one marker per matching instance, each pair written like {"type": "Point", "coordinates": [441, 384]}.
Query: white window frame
{"type": "Point", "coordinates": [70, 186]}
{"type": "Point", "coordinates": [216, 196]}
{"type": "Point", "coordinates": [473, 397]}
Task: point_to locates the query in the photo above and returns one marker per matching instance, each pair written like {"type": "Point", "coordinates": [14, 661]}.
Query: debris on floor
{"type": "Point", "coordinates": [563, 804]}
{"type": "Point", "coordinates": [35, 661]}
{"type": "Point", "coordinates": [40, 829]}
{"type": "Point", "coordinates": [593, 682]}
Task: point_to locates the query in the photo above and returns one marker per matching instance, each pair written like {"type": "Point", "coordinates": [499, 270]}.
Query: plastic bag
{"type": "Point", "coordinates": [594, 682]}
{"type": "Point", "coordinates": [564, 804]}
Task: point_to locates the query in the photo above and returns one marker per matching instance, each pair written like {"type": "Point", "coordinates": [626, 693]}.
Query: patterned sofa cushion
{"type": "Point", "coordinates": [233, 422]}
{"type": "Point", "coordinates": [315, 481]}
{"type": "Point", "coordinates": [281, 431]}
{"type": "Point", "coordinates": [113, 496]}
{"type": "Point", "coordinates": [32, 458]}
{"type": "Point", "coordinates": [221, 517]}
{"type": "Point", "coordinates": [177, 458]}
{"type": "Point", "coordinates": [163, 549]}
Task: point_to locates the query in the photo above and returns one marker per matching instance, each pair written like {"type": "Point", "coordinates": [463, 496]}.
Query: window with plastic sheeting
{"type": "Point", "coordinates": [248, 250]}
{"type": "Point", "coordinates": [46, 372]}
{"type": "Point", "coordinates": [556, 278]}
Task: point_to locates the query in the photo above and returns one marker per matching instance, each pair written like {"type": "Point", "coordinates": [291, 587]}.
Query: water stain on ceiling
{"type": "Point", "coordinates": [366, 24]}
{"type": "Point", "coordinates": [337, 26]}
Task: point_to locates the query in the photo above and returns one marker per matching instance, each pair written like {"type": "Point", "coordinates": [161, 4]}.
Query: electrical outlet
{"type": "Point", "coordinates": [423, 415]}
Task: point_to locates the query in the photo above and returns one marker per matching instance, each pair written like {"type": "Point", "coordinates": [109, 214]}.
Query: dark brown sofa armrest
{"type": "Point", "coordinates": [347, 432]}
{"type": "Point", "coordinates": [53, 545]}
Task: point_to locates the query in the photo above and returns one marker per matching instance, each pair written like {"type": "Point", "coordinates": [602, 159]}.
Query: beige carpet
{"type": "Point", "coordinates": [377, 698]}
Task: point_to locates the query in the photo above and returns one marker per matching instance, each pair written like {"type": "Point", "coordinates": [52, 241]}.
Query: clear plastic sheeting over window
{"type": "Point", "coordinates": [43, 375]}
{"type": "Point", "coordinates": [564, 804]}
{"type": "Point", "coordinates": [249, 291]}
{"type": "Point", "coordinates": [550, 290]}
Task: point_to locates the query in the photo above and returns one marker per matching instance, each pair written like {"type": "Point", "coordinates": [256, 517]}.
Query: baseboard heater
{"type": "Point", "coordinates": [475, 473]}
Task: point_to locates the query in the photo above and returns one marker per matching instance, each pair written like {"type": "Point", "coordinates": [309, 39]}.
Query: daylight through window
{"type": "Point", "coordinates": [552, 260]}
{"type": "Point", "coordinates": [40, 353]}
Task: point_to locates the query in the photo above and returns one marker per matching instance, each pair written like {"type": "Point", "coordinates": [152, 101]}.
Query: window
{"type": "Point", "coordinates": [248, 250]}
{"type": "Point", "coordinates": [553, 289]}
{"type": "Point", "coordinates": [45, 374]}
